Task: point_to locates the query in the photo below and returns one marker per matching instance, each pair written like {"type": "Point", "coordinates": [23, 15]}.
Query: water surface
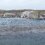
{"type": "Point", "coordinates": [33, 37]}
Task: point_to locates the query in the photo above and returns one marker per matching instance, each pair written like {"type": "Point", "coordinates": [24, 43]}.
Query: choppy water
{"type": "Point", "coordinates": [30, 38]}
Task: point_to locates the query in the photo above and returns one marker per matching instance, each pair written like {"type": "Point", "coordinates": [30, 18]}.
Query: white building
{"type": "Point", "coordinates": [9, 15]}
{"type": "Point", "coordinates": [42, 16]}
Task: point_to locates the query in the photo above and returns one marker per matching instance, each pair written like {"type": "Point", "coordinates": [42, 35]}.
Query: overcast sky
{"type": "Point", "coordinates": [22, 4]}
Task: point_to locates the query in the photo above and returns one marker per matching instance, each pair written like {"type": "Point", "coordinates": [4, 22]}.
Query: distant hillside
{"type": "Point", "coordinates": [18, 13]}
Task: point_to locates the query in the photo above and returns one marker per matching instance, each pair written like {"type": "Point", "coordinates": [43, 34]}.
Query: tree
{"type": "Point", "coordinates": [39, 13]}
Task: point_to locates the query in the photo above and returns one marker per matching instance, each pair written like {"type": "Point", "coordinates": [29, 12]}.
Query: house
{"type": "Point", "coordinates": [1, 14]}
{"type": "Point", "coordinates": [42, 16]}
{"type": "Point", "coordinates": [9, 15]}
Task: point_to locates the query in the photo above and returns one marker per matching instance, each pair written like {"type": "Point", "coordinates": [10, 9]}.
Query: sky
{"type": "Point", "coordinates": [22, 4]}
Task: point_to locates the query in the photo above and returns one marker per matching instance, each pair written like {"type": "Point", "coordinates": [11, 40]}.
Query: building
{"type": "Point", "coordinates": [9, 15]}
{"type": "Point", "coordinates": [42, 16]}
{"type": "Point", "coordinates": [1, 15]}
